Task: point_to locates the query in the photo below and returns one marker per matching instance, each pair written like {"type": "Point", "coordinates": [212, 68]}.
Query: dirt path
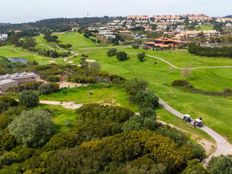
{"type": "Point", "coordinates": [67, 105]}
{"type": "Point", "coordinates": [223, 147]}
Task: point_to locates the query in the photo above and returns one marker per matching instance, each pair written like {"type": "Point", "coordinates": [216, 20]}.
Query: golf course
{"type": "Point", "coordinates": [160, 69]}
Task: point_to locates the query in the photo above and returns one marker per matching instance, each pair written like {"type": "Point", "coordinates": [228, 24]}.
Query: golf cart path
{"type": "Point", "coordinates": [223, 147]}
{"type": "Point", "coordinates": [180, 68]}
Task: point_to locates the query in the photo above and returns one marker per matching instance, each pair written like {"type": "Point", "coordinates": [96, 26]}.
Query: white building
{"type": "Point", "coordinates": [13, 80]}
{"type": "Point", "coordinates": [3, 36]}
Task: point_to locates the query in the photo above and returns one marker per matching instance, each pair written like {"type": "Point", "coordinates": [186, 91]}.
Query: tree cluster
{"type": "Point", "coordinates": [210, 52]}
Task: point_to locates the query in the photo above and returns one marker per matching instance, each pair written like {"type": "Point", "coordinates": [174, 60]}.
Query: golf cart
{"type": "Point", "coordinates": [198, 123]}
{"type": "Point", "coordinates": [187, 118]}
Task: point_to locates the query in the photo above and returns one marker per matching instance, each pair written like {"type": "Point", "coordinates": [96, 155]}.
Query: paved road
{"type": "Point", "coordinates": [223, 147]}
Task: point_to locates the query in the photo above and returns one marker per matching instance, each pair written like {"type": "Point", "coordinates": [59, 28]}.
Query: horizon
{"type": "Point", "coordinates": [26, 11]}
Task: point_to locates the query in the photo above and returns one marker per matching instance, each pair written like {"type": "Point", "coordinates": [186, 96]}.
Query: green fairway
{"type": "Point", "coordinates": [43, 44]}
{"type": "Point", "coordinates": [214, 110]}
{"type": "Point", "coordinates": [77, 40]}
{"type": "Point", "coordinates": [11, 51]}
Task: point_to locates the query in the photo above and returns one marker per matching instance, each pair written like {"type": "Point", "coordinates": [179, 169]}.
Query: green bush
{"type": "Point", "coordinates": [29, 99]}
{"type": "Point", "coordinates": [122, 56]}
{"type": "Point", "coordinates": [194, 167]}
{"type": "Point", "coordinates": [141, 57]}
{"type": "Point", "coordinates": [95, 156]}
{"type": "Point", "coordinates": [135, 85]}
{"type": "Point", "coordinates": [220, 165]}
{"type": "Point", "coordinates": [6, 102]}
{"type": "Point", "coordinates": [48, 88]}
{"type": "Point", "coordinates": [111, 52]}
{"type": "Point", "coordinates": [7, 141]}
{"type": "Point", "coordinates": [33, 128]}
{"type": "Point", "coordinates": [146, 99]}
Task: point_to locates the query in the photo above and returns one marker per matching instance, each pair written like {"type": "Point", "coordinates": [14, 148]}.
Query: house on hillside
{"type": "Point", "coordinates": [162, 43]}
{"type": "Point", "coordinates": [3, 37]}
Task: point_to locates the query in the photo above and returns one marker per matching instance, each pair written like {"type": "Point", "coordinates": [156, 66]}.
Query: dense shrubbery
{"type": "Point", "coordinates": [27, 86]}
{"type": "Point", "coordinates": [103, 155]}
{"type": "Point", "coordinates": [48, 88]}
{"type": "Point", "coordinates": [188, 87]}
{"type": "Point", "coordinates": [6, 102]}
{"type": "Point", "coordinates": [194, 167]}
{"type": "Point", "coordinates": [29, 99]}
{"type": "Point", "coordinates": [210, 52]}
{"type": "Point", "coordinates": [145, 120]}
{"type": "Point", "coordinates": [111, 52]}
{"type": "Point", "coordinates": [94, 121]}
{"type": "Point", "coordinates": [50, 38]}
{"type": "Point", "coordinates": [220, 165]}
{"type": "Point", "coordinates": [53, 53]}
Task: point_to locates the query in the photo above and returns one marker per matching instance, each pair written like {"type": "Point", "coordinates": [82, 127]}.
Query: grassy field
{"type": "Point", "coordinates": [77, 40]}
{"type": "Point", "coordinates": [214, 110]}
{"type": "Point", "coordinates": [194, 133]}
{"type": "Point", "coordinates": [11, 51]}
{"type": "Point", "coordinates": [99, 93]}
{"type": "Point", "coordinates": [205, 27]}
{"type": "Point", "coordinates": [43, 44]}
{"type": "Point", "coordinates": [63, 119]}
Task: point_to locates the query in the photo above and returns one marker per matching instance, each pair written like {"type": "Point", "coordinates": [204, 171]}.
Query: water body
{"type": "Point", "coordinates": [17, 60]}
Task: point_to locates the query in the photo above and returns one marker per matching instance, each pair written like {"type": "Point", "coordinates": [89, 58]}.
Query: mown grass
{"type": "Point", "coordinates": [214, 110]}
{"type": "Point", "coordinates": [43, 44]}
{"type": "Point", "coordinates": [77, 40]}
{"type": "Point", "coordinates": [168, 118]}
{"type": "Point", "coordinates": [11, 51]}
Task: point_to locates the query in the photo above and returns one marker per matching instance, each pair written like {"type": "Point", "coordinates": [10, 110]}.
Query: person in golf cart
{"type": "Point", "coordinates": [198, 122]}
{"type": "Point", "coordinates": [187, 118]}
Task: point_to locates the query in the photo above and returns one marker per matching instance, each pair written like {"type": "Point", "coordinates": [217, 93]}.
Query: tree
{"type": "Point", "coordinates": [29, 99]}
{"type": "Point", "coordinates": [29, 43]}
{"type": "Point", "coordinates": [146, 99]}
{"type": "Point", "coordinates": [145, 120]}
{"type": "Point", "coordinates": [83, 63]}
{"type": "Point", "coordinates": [135, 46]}
{"type": "Point", "coordinates": [48, 88]}
{"type": "Point", "coordinates": [220, 165]}
{"type": "Point", "coordinates": [32, 128]}
{"type": "Point", "coordinates": [135, 85]}
{"type": "Point", "coordinates": [141, 57]}
{"type": "Point", "coordinates": [122, 56]}
{"type": "Point", "coordinates": [194, 167]}
{"type": "Point", "coordinates": [94, 67]}
{"type": "Point", "coordinates": [111, 52]}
